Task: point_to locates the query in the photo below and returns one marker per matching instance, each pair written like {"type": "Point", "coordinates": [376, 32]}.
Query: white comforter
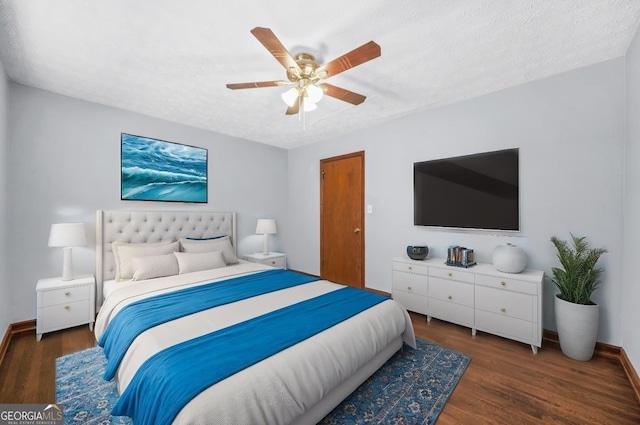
{"type": "Point", "coordinates": [280, 388]}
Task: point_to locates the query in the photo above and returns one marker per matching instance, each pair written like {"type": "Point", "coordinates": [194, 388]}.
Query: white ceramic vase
{"type": "Point", "coordinates": [509, 258]}
{"type": "Point", "coordinates": [577, 328]}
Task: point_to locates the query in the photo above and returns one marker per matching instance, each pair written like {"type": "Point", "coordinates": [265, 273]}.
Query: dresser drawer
{"type": "Point", "coordinates": [509, 327]}
{"type": "Point", "coordinates": [507, 283]}
{"type": "Point", "coordinates": [64, 315]}
{"type": "Point", "coordinates": [412, 301]}
{"type": "Point", "coordinates": [451, 273]}
{"type": "Point", "coordinates": [505, 303]}
{"type": "Point", "coordinates": [451, 291]}
{"type": "Point", "coordinates": [409, 282]}
{"type": "Point", "coordinates": [65, 295]}
{"type": "Point", "coordinates": [413, 267]}
{"type": "Point", "coordinates": [445, 310]}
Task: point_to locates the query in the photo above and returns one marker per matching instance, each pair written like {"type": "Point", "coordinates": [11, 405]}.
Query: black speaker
{"type": "Point", "coordinates": [418, 252]}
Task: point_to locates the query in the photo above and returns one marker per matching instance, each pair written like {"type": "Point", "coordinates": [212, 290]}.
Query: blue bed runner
{"type": "Point", "coordinates": [168, 380]}
{"type": "Point", "coordinates": [141, 315]}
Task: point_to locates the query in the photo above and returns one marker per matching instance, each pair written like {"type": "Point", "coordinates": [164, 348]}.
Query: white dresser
{"type": "Point", "coordinates": [65, 303]}
{"type": "Point", "coordinates": [479, 297]}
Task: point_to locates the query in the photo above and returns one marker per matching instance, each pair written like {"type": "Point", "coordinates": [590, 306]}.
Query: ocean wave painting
{"type": "Point", "coordinates": [155, 170]}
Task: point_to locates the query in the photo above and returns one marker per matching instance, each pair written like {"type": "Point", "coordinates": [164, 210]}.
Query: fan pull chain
{"type": "Point", "coordinates": [301, 114]}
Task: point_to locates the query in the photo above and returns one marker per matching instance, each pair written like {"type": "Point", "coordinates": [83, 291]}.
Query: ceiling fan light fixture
{"type": "Point", "coordinates": [308, 106]}
{"type": "Point", "coordinates": [314, 93]}
{"type": "Point", "coordinates": [290, 97]}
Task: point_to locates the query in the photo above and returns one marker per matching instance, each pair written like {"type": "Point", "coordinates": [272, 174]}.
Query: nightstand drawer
{"type": "Point", "coordinates": [274, 262]}
{"type": "Point", "coordinates": [65, 315]}
{"type": "Point", "coordinates": [273, 259]}
{"type": "Point", "coordinates": [65, 295]}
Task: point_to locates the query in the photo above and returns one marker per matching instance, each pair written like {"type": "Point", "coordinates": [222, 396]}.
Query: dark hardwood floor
{"type": "Point", "coordinates": [504, 384]}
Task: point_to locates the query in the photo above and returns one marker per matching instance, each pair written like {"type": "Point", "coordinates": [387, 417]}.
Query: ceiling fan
{"type": "Point", "coordinates": [305, 73]}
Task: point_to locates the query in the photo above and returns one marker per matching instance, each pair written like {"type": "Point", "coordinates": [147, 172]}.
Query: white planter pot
{"type": "Point", "coordinates": [577, 328]}
{"type": "Point", "coordinates": [509, 258]}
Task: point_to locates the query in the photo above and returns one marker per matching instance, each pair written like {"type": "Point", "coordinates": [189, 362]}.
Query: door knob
{"type": "Point", "coordinates": [356, 230]}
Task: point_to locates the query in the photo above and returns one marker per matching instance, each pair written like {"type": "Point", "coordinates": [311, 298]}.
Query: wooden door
{"type": "Point", "coordinates": [342, 219]}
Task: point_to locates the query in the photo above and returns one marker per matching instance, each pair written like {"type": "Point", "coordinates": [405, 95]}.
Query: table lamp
{"type": "Point", "coordinates": [67, 235]}
{"type": "Point", "coordinates": [266, 227]}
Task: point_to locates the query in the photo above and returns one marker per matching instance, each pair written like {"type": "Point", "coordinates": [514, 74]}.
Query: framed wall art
{"type": "Point", "coordinates": [156, 170]}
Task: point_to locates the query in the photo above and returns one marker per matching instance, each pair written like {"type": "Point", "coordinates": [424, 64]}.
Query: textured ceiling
{"type": "Point", "coordinates": [171, 59]}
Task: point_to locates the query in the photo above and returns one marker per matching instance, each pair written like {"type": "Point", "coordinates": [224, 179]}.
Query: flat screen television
{"type": "Point", "coordinates": [479, 191]}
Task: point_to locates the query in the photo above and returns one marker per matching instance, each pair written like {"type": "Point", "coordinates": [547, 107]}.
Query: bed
{"type": "Point", "coordinates": [228, 341]}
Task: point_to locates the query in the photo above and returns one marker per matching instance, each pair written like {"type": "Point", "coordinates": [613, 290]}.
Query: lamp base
{"type": "Point", "coordinates": [265, 246]}
{"type": "Point", "coordinates": [67, 265]}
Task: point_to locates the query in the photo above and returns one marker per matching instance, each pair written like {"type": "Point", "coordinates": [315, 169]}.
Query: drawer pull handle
{"type": "Point", "coordinates": [410, 268]}
{"type": "Point", "coordinates": [409, 288]}
{"type": "Point", "coordinates": [450, 274]}
{"type": "Point", "coordinates": [66, 307]}
{"type": "Point", "coordinates": [273, 262]}
{"type": "Point", "coordinates": [503, 283]}
{"type": "Point", "coordinates": [67, 293]}
{"type": "Point", "coordinates": [450, 297]}
{"type": "Point", "coordinates": [503, 309]}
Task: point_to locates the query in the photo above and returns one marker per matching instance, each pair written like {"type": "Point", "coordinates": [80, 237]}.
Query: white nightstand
{"type": "Point", "coordinates": [65, 303]}
{"type": "Point", "coordinates": [274, 259]}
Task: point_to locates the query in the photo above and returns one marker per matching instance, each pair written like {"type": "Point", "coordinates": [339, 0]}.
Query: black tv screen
{"type": "Point", "coordinates": [477, 191]}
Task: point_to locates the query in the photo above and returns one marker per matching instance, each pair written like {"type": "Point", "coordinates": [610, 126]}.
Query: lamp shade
{"type": "Point", "coordinates": [266, 227]}
{"type": "Point", "coordinates": [314, 93]}
{"type": "Point", "coordinates": [290, 97]}
{"type": "Point", "coordinates": [67, 234]}
{"type": "Point", "coordinates": [309, 106]}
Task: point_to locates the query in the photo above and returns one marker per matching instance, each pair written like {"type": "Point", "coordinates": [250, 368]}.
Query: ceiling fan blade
{"type": "Point", "coordinates": [257, 84]}
{"type": "Point", "coordinates": [292, 110]}
{"type": "Point", "coordinates": [356, 57]}
{"type": "Point", "coordinates": [342, 94]}
{"type": "Point", "coordinates": [275, 47]}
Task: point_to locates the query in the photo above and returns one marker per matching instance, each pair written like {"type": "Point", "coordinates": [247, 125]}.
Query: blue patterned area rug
{"type": "Point", "coordinates": [411, 388]}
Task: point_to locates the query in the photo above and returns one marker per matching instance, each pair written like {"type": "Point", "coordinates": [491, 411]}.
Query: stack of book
{"type": "Point", "coordinates": [460, 256]}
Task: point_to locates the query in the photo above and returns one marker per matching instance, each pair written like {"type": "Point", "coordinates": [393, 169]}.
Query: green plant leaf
{"type": "Point", "coordinates": [578, 278]}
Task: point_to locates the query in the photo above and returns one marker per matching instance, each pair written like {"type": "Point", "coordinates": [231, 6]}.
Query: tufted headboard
{"type": "Point", "coordinates": [153, 226]}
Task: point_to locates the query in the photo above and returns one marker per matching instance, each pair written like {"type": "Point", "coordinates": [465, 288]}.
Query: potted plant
{"type": "Point", "coordinates": [576, 314]}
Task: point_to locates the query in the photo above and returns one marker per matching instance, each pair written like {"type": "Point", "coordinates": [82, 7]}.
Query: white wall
{"type": "Point", "coordinates": [569, 129]}
{"type": "Point", "coordinates": [64, 163]}
{"type": "Point", "coordinates": [5, 310]}
{"type": "Point", "coordinates": [631, 287]}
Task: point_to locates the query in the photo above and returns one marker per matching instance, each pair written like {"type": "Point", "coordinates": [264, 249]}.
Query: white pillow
{"type": "Point", "coordinates": [124, 252]}
{"type": "Point", "coordinates": [221, 244]}
{"type": "Point", "coordinates": [194, 262]}
{"type": "Point", "coordinates": [154, 266]}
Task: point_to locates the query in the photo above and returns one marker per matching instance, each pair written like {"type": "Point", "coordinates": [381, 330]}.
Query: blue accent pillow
{"type": "Point", "coordinates": [206, 239]}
